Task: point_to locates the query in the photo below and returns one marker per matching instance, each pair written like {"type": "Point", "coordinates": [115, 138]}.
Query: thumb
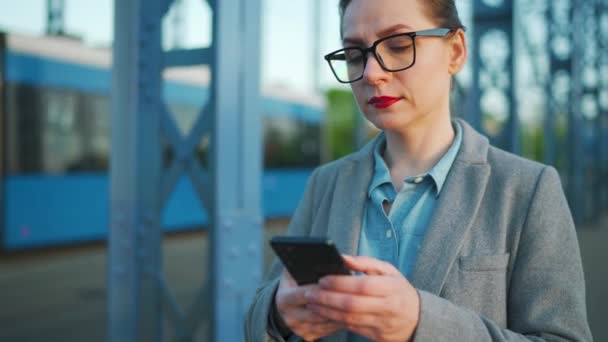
{"type": "Point", "coordinates": [287, 280]}
{"type": "Point", "coordinates": [369, 266]}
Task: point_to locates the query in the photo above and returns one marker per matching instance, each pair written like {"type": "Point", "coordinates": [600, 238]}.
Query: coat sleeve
{"type": "Point", "coordinates": [546, 292]}
{"type": "Point", "coordinates": [256, 321]}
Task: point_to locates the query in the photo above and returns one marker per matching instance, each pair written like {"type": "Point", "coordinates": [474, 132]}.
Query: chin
{"type": "Point", "coordinates": [389, 121]}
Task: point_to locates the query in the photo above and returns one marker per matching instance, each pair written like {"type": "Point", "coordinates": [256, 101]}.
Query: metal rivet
{"type": "Point", "coordinates": [185, 161]}
{"type": "Point", "coordinates": [119, 216]}
{"type": "Point", "coordinates": [119, 271]}
{"type": "Point", "coordinates": [228, 224]}
{"type": "Point", "coordinates": [150, 217]}
{"type": "Point", "coordinates": [141, 232]}
{"type": "Point", "coordinates": [233, 253]}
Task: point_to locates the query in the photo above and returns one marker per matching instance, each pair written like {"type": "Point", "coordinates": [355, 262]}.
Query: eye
{"type": "Point", "coordinates": [399, 44]}
{"type": "Point", "coordinates": [354, 59]}
{"type": "Point", "coordinates": [353, 56]}
{"type": "Point", "coordinates": [399, 48]}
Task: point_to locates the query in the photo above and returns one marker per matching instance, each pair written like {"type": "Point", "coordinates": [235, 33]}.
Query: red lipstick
{"type": "Point", "coordinates": [383, 101]}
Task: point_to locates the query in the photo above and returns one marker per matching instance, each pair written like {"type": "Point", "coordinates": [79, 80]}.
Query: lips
{"type": "Point", "coordinates": [383, 101]}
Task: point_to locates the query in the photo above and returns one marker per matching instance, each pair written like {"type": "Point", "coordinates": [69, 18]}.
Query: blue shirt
{"type": "Point", "coordinates": [396, 237]}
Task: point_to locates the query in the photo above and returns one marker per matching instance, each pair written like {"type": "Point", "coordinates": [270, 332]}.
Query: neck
{"type": "Point", "coordinates": [417, 148]}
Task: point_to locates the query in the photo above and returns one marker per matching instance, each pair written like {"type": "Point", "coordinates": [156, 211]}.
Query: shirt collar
{"type": "Point", "coordinates": [381, 173]}
{"type": "Point", "coordinates": [438, 173]}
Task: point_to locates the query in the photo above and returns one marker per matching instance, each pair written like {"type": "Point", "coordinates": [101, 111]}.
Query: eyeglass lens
{"type": "Point", "coordinates": [393, 54]}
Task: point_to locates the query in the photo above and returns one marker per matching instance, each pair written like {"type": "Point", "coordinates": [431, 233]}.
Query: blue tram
{"type": "Point", "coordinates": [55, 141]}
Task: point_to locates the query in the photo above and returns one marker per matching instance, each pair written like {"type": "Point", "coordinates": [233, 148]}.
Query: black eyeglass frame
{"type": "Point", "coordinates": [436, 32]}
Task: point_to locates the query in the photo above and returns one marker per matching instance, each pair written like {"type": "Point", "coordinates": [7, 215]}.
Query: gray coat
{"type": "Point", "coordinates": [500, 261]}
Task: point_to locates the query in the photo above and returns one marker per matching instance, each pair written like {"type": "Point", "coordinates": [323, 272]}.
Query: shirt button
{"type": "Point", "coordinates": [389, 233]}
{"type": "Point", "coordinates": [418, 180]}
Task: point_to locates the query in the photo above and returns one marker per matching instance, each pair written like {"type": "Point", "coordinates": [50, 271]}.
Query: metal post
{"type": "Point", "coordinates": [576, 182]}
{"type": "Point", "coordinates": [591, 106]}
{"type": "Point", "coordinates": [138, 290]}
{"type": "Point", "coordinates": [493, 70]}
{"type": "Point", "coordinates": [316, 44]}
{"type": "Point", "coordinates": [134, 302]}
{"type": "Point", "coordinates": [559, 47]}
{"type": "Point", "coordinates": [602, 14]}
{"type": "Point", "coordinates": [236, 162]}
{"type": "Point", "coordinates": [54, 15]}
{"type": "Point", "coordinates": [3, 136]}
{"type": "Point", "coordinates": [178, 24]}
{"type": "Point", "coordinates": [324, 141]}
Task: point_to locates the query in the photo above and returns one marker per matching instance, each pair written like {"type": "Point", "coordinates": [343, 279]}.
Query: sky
{"type": "Point", "coordinates": [287, 42]}
{"type": "Point", "coordinates": [287, 39]}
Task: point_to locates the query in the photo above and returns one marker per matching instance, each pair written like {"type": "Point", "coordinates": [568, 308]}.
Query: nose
{"type": "Point", "coordinates": [373, 72]}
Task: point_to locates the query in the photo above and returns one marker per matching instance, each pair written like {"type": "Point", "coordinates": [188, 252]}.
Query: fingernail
{"type": "Point", "coordinates": [323, 281]}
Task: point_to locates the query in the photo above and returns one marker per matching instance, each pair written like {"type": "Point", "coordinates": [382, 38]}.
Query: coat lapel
{"type": "Point", "coordinates": [455, 211]}
{"type": "Point", "coordinates": [456, 208]}
{"type": "Point", "coordinates": [348, 202]}
{"type": "Point", "coordinates": [347, 206]}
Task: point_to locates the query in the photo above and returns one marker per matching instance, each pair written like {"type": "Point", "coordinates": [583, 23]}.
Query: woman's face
{"type": "Point", "coordinates": [422, 90]}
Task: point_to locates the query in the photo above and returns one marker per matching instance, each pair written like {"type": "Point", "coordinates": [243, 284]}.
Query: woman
{"type": "Point", "coordinates": [456, 240]}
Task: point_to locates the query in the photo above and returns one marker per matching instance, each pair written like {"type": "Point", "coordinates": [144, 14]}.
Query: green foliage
{"type": "Point", "coordinates": [340, 123]}
{"type": "Point", "coordinates": [532, 142]}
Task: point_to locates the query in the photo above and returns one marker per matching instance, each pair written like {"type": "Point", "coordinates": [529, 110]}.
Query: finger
{"type": "Point", "coordinates": [369, 265]}
{"type": "Point", "coordinates": [291, 297]}
{"type": "Point", "coordinates": [288, 280]}
{"type": "Point", "coordinates": [294, 296]}
{"type": "Point", "coordinates": [326, 328]}
{"type": "Point", "coordinates": [302, 316]}
{"type": "Point", "coordinates": [375, 286]}
{"type": "Point", "coordinates": [347, 318]}
{"type": "Point", "coordinates": [315, 331]}
{"type": "Point", "coordinates": [347, 302]}
{"type": "Point", "coordinates": [364, 331]}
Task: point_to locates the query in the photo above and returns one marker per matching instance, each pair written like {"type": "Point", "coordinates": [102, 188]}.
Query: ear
{"type": "Point", "coordinates": [458, 52]}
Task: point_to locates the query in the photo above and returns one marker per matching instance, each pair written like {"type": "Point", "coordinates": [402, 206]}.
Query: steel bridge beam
{"type": "Point", "coordinates": [602, 19]}
{"type": "Point", "coordinates": [236, 237]}
{"type": "Point", "coordinates": [493, 72]}
{"type": "Point", "coordinates": [560, 127]}
{"type": "Point", "coordinates": [54, 17]}
{"type": "Point", "coordinates": [135, 254]}
{"type": "Point", "coordinates": [583, 133]}
{"type": "Point", "coordinates": [140, 187]}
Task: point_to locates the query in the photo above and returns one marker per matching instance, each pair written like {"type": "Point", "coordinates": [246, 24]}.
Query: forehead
{"type": "Point", "coordinates": [368, 18]}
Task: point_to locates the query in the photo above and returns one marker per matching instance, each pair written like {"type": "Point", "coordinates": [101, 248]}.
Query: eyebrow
{"type": "Point", "coordinates": [381, 33]}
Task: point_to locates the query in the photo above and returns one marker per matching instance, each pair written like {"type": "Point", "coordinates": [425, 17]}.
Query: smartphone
{"type": "Point", "coordinates": [308, 259]}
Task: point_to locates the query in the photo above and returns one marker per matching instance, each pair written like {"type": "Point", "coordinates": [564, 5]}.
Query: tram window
{"type": "Point", "coordinates": [55, 131]}
{"type": "Point", "coordinates": [23, 141]}
{"type": "Point", "coordinates": [290, 142]}
{"type": "Point", "coordinates": [92, 130]}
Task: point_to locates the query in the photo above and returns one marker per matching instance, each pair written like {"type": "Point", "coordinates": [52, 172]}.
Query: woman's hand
{"type": "Point", "coordinates": [381, 305]}
{"type": "Point", "coordinates": [292, 306]}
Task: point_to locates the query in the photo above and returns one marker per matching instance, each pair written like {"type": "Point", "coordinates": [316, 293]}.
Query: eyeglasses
{"type": "Point", "coordinates": [394, 53]}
